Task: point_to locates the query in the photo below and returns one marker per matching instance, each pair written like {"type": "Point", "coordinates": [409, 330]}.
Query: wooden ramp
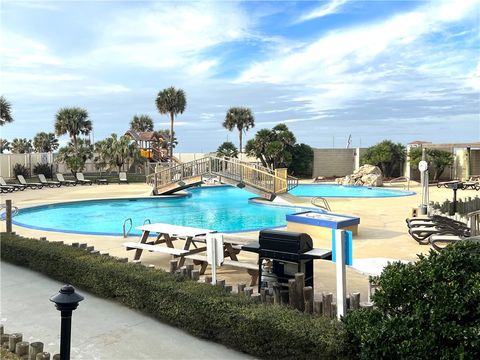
{"type": "Point", "coordinates": [261, 181]}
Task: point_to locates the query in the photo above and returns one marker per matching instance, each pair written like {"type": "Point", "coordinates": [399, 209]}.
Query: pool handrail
{"type": "Point", "coordinates": [125, 233]}
{"type": "Point", "coordinates": [401, 179]}
{"type": "Point", "coordinates": [324, 205]}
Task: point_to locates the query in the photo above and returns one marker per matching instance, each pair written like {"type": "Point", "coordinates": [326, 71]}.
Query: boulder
{"type": "Point", "coordinates": [366, 175]}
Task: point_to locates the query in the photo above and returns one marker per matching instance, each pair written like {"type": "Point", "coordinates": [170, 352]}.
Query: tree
{"type": "Point", "coordinates": [302, 161]}
{"type": "Point", "coordinates": [165, 134]}
{"type": "Point", "coordinates": [272, 147]}
{"type": "Point", "coordinates": [5, 111]}
{"type": "Point", "coordinates": [386, 155]}
{"type": "Point", "coordinates": [438, 160]}
{"type": "Point", "coordinates": [21, 146]}
{"type": "Point", "coordinates": [45, 142]}
{"type": "Point", "coordinates": [114, 151]}
{"type": "Point", "coordinates": [75, 157]}
{"type": "Point", "coordinates": [171, 101]}
{"type": "Point", "coordinates": [4, 145]}
{"type": "Point", "coordinates": [141, 123]}
{"type": "Point", "coordinates": [227, 149]}
{"type": "Point", "coordinates": [73, 121]}
{"type": "Point", "coordinates": [240, 118]}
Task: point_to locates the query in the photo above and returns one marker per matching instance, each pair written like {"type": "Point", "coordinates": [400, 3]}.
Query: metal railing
{"type": "Point", "coordinates": [321, 203]}
{"type": "Point", "coordinates": [401, 179]}
{"type": "Point", "coordinates": [474, 222]}
{"type": "Point", "coordinates": [232, 169]}
{"type": "Point", "coordinates": [125, 231]}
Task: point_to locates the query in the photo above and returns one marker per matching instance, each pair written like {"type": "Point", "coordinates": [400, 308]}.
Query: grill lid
{"type": "Point", "coordinates": [285, 241]}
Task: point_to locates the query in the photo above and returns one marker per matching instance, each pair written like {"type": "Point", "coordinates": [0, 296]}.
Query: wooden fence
{"type": "Point", "coordinates": [464, 206]}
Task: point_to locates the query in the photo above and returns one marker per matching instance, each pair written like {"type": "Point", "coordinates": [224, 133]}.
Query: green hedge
{"type": "Point", "coordinates": [426, 310]}
{"type": "Point", "coordinates": [206, 311]}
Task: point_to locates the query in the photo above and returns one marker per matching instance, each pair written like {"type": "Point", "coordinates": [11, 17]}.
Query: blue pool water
{"type": "Point", "coordinates": [225, 209]}
{"type": "Point", "coordinates": [332, 190]}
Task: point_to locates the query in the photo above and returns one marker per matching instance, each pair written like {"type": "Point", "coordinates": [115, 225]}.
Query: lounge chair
{"type": "Point", "coordinates": [421, 234]}
{"type": "Point", "coordinates": [122, 177]}
{"type": "Point", "coordinates": [472, 183]}
{"type": "Point", "coordinates": [62, 180]}
{"type": "Point", "coordinates": [440, 241]}
{"type": "Point", "coordinates": [46, 182]}
{"type": "Point", "coordinates": [81, 179]}
{"type": "Point", "coordinates": [7, 189]}
{"type": "Point", "coordinates": [22, 181]}
{"type": "Point", "coordinates": [16, 186]}
{"type": "Point", "coordinates": [432, 221]}
{"type": "Point", "coordinates": [447, 183]}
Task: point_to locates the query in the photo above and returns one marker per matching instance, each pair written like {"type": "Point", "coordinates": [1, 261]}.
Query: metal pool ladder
{"type": "Point", "coordinates": [126, 232]}
{"type": "Point", "coordinates": [321, 203]}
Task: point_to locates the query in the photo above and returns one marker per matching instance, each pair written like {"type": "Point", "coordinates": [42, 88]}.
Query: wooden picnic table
{"type": "Point", "coordinates": [166, 234]}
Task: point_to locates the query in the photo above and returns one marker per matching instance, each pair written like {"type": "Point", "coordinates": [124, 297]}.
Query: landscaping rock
{"type": "Point", "coordinates": [366, 175]}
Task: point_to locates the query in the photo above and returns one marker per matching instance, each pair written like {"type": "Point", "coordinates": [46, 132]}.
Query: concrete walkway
{"type": "Point", "coordinates": [101, 329]}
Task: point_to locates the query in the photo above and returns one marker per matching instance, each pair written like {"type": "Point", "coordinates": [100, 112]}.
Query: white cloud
{"type": "Point", "coordinates": [331, 7]}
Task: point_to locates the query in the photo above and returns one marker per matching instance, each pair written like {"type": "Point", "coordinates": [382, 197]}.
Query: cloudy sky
{"type": "Point", "coordinates": [403, 70]}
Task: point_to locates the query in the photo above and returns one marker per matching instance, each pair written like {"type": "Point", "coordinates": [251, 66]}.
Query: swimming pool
{"type": "Point", "coordinates": [350, 191]}
{"type": "Point", "coordinates": [223, 208]}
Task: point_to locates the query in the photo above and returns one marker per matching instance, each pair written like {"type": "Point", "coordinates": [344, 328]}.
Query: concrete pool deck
{"type": "Point", "coordinates": [382, 231]}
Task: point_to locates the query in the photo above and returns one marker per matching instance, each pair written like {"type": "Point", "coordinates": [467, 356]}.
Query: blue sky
{"type": "Point", "coordinates": [402, 70]}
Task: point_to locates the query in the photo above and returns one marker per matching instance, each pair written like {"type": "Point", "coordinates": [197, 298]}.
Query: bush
{"type": "Point", "coordinates": [19, 169]}
{"type": "Point", "coordinates": [203, 310]}
{"type": "Point", "coordinates": [426, 310]}
{"type": "Point", "coordinates": [44, 169]}
{"type": "Point", "coordinates": [386, 155]}
{"type": "Point", "coordinates": [302, 161]}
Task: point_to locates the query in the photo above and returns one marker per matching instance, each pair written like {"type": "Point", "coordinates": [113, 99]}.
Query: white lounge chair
{"type": "Point", "coordinates": [22, 181]}
{"type": "Point", "coordinates": [46, 182]}
{"type": "Point", "coordinates": [81, 179]}
{"type": "Point", "coordinates": [62, 180]}
{"type": "Point", "coordinates": [4, 184]}
{"type": "Point", "coordinates": [122, 177]}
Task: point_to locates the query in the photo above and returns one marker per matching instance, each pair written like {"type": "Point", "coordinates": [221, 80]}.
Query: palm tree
{"type": "Point", "coordinates": [75, 158]}
{"type": "Point", "coordinates": [171, 101]}
{"type": "Point", "coordinates": [21, 146]}
{"type": "Point", "coordinates": [227, 149]}
{"type": "Point", "coordinates": [5, 111]}
{"type": "Point", "coordinates": [45, 142]}
{"type": "Point", "coordinates": [165, 134]}
{"type": "Point", "coordinates": [240, 118]}
{"type": "Point", "coordinates": [73, 121]}
{"type": "Point", "coordinates": [114, 151]}
{"type": "Point", "coordinates": [4, 145]}
{"type": "Point", "coordinates": [141, 123]}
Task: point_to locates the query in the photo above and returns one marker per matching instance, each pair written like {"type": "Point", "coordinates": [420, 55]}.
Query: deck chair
{"type": "Point", "coordinates": [7, 189]}
{"type": "Point", "coordinates": [22, 181]}
{"type": "Point", "coordinates": [432, 221]}
{"type": "Point", "coordinates": [421, 234]}
{"type": "Point", "coordinates": [46, 182]}
{"type": "Point", "coordinates": [122, 177]}
{"type": "Point", "coordinates": [472, 183]}
{"type": "Point", "coordinates": [440, 241]}
{"type": "Point", "coordinates": [81, 179]}
{"type": "Point", "coordinates": [16, 186]}
{"type": "Point", "coordinates": [62, 180]}
{"type": "Point", "coordinates": [446, 183]}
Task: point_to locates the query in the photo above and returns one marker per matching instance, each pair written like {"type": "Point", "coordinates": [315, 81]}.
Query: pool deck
{"type": "Point", "coordinates": [382, 231]}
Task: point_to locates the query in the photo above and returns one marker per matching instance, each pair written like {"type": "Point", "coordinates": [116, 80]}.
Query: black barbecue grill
{"type": "Point", "coordinates": [290, 252]}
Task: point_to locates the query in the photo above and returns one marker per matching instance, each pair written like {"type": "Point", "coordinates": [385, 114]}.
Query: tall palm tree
{"type": "Point", "coordinates": [228, 150]}
{"type": "Point", "coordinates": [5, 111]}
{"type": "Point", "coordinates": [4, 145]}
{"type": "Point", "coordinates": [240, 118]}
{"type": "Point", "coordinates": [141, 123]}
{"type": "Point", "coordinates": [21, 146]}
{"type": "Point", "coordinates": [171, 101]}
{"type": "Point", "coordinates": [45, 142]}
{"type": "Point", "coordinates": [73, 121]}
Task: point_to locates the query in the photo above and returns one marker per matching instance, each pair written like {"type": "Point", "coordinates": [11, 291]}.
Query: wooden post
{"type": "Point", "coordinates": [21, 348]}
{"type": "Point", "coordinates": [355, 300]}
{"type": "Point", "coordinates": [292, 298]}
{"type": "Point", "coordinates": [228, 288]}
{"type": "Point", "coordinates": [317, 306]}
{"type": "Point", "coordinates": [83, 246]}
{"type": "Point", "coordinates": [248, 291]}
{"type": "Point", "coordinates": [221, 283]}
{"type": "Point", "coordinates": [189, 270]}
{"type": "Point", "coordinates": [241, 287]}
{"type": "Point", "coordinates": [195, 275]}
{"type": "Point", "coordinates": [299, 285]}
{"type": "Point", "coordinates": [308, 296]}
{"type": "Point", "coordinates": [366, 305]}
{"type": "Point", "coordinates": [276, 294]}
{"type": "Point", "coordinates": [208, 279]}
{"type": "Point", "coordinates": [8, 215]}
{"type": "Point", "coordinates": [35, 348]}
{"type": "Point", "coordinates": [43, 356]}
{"type": "Point", "coordinates": [263, 294]}
{"type": "Point", "coordinates": [327, 304]}
{"type": "Point", "coordinates": [13, 340]}
{"type": "Point", "coordinates": [1, 330]}
{"type": "Point", "coordinates": [183, 270]}
{"type": "Point", "coordinates": [56, 357]}
{"type": "Point", "coordinates": [284, 297]}
{"type": "Point", "coordinates": [334, 310]}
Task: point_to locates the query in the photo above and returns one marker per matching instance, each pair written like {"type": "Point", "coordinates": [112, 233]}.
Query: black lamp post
{"type": "Point", "coordinates": [454, 186]}
{"type": "Point", "coordinates": [66, 301]}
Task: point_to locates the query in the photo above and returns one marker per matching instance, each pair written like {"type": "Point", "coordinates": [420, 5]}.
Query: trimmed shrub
{"type": "Point", "coordinates": [426, 310]}
{"type": "Point", "coordinates": [19, 169]}
{"type": "Point", "coordinates": [206, 311]}
{"type": "Point", "coordinates": [44, 169]}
